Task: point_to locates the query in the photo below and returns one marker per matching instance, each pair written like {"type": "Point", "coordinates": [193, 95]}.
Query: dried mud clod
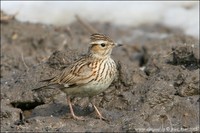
{"type": "Point", "coordinates": [184, 55]}
{"type": "Point", "coordinates": [187, 84]}
{"type": "Point", "coordinates": [56, 60]}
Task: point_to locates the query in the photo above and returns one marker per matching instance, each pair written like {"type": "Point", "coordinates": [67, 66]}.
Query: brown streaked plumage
{"type": "Point", "coordinates": [89, 75]}
{"type": "Point", "coordinates": [99, 37]}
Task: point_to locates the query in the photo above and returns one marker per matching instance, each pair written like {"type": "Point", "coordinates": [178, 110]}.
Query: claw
{"type": "Point", "coordinates": [99, 114]}
{"type": "Point", "coordinates": [78, 117]}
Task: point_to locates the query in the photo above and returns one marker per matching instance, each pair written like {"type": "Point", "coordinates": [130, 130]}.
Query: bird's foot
{"type": "Point", "coordinates": [102, 118]}
{"type": "Point", "coordinates": [74, 117]}
{"type": "Point", "coordinates": [78, 117]}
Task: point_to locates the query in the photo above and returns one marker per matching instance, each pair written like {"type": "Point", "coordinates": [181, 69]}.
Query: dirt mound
{"type": "Point", "coordinates": [157, 88]}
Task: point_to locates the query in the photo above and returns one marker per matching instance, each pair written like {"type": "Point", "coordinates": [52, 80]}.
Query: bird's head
{"type": "Point", "coordinates": [101, 45]}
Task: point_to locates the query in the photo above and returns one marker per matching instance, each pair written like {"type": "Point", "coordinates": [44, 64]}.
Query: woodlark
{"type": "Point", "coordinates": [90, 75]}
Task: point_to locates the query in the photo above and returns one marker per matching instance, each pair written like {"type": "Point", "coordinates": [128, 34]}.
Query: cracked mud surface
{"type": "Point", "coordinates": [157, 87]}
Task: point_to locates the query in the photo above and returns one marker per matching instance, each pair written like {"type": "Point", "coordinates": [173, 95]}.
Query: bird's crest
{"type": "Point", "coordinates": [100, 37]}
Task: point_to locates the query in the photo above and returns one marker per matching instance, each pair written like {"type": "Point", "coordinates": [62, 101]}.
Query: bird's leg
{"type": "Point", "coordinates": [72, 111]}
{"type": "Point", "coordinates": [98, 112]}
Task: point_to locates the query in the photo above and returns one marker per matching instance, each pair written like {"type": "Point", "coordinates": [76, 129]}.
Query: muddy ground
{"type": "Point", "coordinates": [157, 88]}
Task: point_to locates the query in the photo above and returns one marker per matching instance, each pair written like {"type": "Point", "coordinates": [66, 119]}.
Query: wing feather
{"type": "Point", "coordinates": [79, 73]}
{"type": "Point", "coordinates": [76, 74]}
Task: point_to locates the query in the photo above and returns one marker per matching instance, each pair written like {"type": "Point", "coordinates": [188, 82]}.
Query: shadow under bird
{"type": "Point", "coordinates": [89, 75]}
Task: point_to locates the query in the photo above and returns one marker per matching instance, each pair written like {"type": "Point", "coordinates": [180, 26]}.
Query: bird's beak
{"type": "Point", "coordinates": [118, 44]}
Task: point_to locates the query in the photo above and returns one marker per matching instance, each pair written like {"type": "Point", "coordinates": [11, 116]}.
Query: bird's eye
{"type": "Point", "coordinates": [103, 44]}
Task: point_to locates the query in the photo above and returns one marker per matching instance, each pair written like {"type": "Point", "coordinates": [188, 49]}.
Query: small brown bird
{"type": "Point", "coordinates": [90, 75]}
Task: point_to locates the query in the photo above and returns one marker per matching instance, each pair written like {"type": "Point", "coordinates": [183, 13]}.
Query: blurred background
{"type": "Point", "coordinates": [183, 15]}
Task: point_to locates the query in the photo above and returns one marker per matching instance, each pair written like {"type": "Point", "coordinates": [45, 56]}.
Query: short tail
{"type": "Point", "coordinates": [39, 88]}
{"type": "Point", "coordinates": [47, 80]}
{"type": "Point", "coordinates": [48, 86]}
